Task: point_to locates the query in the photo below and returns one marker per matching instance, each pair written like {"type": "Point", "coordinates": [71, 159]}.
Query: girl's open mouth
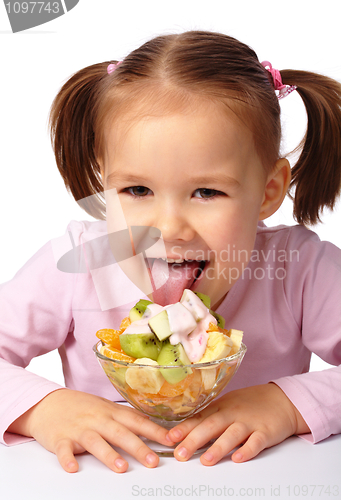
{"type": "Point", "coordinates": [170, 277]}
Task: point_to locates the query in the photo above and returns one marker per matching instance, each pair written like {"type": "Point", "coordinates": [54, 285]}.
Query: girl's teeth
{"type": "Point", "coordinates": [176, 261]}
{"type": "Point", "coordinates": [172, 261]}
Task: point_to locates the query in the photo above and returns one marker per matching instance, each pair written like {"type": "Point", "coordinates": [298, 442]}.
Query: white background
{"type": "Point", "coordinates": [34, 204]}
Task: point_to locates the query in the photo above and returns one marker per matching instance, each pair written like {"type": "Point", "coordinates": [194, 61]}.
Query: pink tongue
{"type": "Point", "coordinates": [180, 277]}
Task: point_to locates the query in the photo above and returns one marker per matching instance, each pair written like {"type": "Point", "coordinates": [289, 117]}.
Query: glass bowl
{"type": "Point", "coordinates": [174, 402]}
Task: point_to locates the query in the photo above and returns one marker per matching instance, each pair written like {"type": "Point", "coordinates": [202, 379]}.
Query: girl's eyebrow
{"type": "Point", "coordinates": [200, 180]}
{"type": "Point", "coordinates": [124, 177]}
{"type": "Point", "coordinates": [217, 179]}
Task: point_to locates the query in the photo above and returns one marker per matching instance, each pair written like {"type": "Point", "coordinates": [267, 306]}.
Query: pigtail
{"type": "Point", "coordinates": [317, 173]}
{"type": "Point", "coordinates": [71, 125]}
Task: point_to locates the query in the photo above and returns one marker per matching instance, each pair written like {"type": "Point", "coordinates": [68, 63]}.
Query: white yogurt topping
{"type": "Point", "coordinates": [180, 319]}
{"type": "Point", "coordinates": [194, 304]}
{"type": "Point", "coordinates": [152, 310]}
{"type": "Point", "coordinates": [188, 320]}
{"type": "Point", "coordinates": [194, 343]}
{"type": "Point", "coordinates": [139, 326]}
{"type": "Point", "coordinates": [192, 334]}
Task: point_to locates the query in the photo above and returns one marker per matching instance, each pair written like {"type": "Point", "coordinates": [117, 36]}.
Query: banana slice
{"type": "Point", "coordinates": [236, 336]}
{"type": "Point", "coordinates": [218, 346]}
{"type": "Point", "coordinates": [208, 376]}
{"type": "Point", "coordinates": [144, 379]}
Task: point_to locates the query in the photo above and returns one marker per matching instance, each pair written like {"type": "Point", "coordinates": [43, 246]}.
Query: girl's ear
{"type": "Point", "coordinates": [276, 188]}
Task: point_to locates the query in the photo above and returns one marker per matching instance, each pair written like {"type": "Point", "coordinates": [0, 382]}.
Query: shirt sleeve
{"type": "Point", "coordinates": [35, 318]}
{"type": "Point", "coordinates": [313, 291]}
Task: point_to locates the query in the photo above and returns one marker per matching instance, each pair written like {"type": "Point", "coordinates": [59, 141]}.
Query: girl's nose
{"type": "Point", "coordinates": [174, 225]}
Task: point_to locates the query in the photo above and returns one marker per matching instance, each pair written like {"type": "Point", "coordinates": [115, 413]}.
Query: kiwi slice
{"type": "Point", "coordinates": [204, 298]}
{"type": "Point", "coordinates": [173, 355]}
{"type": "Point", "coordinates": [138, 310]}
{"type": "Point", "coordinates": [220, 319]}
{"type": "Point", "coordinates": [141, 345]}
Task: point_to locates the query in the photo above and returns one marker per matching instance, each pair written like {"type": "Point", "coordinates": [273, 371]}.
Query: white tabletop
{"type": "Point", "coordinates": [293, 469]}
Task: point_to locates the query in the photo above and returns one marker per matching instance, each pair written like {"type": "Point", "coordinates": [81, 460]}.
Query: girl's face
{"type": "Point", "coordinates": [197, 178]}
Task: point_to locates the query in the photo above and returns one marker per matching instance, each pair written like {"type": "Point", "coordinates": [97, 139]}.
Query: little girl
{"type": "Point", "coordinates": [183, 135]}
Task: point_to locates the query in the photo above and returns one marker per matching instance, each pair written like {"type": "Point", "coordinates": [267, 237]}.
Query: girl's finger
{"type": "Point", "coordinates": [233, 436]}
{"type": "Point", "coordinates": [212, 427]}
{"type": "Point", "coordinates": [180, 431]}
{"type": "Point", "coordinates": [184, 428]}
{"type": "Point", "coordinates": [142, 426]}
{"type": "Point", "coordinates": [256, 443]}
{"type": "Point", "coordinates": [119, 435]}
{"type": "Point", "coordinates": [65, 455]}
{"type": "Point", "coordinates": [93, 443]}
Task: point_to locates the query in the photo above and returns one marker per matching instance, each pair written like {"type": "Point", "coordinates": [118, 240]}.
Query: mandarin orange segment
{"type": "Point", "coordinates": [215, 328]}
{"type": "Point", "coordinates": [172, 390]}
{"type": "Point", "coordinates": [113, 353]}
{"type": "Point", "coordinates": [110, 337]}
{"type": "Point", "coordinates": [155, 398]}
{"type": "Point", "coordinates": [124, 324]}
{"type": "Point", "coordinates": [212, 327]}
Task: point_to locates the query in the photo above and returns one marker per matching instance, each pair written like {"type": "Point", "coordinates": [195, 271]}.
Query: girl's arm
{"type": "Point", "coordinates": [33, 321]}
{"type": "Point", "coordinates": [38, 310]}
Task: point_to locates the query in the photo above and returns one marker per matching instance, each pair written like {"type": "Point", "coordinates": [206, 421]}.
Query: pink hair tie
{"type": "Point", "coordinates": [283, 90]}
{"type": "Point", "coordinates": [111, 68]}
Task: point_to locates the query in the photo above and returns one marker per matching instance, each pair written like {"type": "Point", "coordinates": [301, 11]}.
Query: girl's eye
{"type": "Point", "coordinates": [139, 191]}
{"type": "Point", "coordinates": [206, 193]}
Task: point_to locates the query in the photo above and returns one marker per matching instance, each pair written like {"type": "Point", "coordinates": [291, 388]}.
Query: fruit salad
{"type": "Point", "coordinates": [169, 358]}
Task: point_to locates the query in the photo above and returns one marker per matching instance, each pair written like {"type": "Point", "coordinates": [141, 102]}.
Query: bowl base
{"type": "Point", "coordinates": [168, 451]}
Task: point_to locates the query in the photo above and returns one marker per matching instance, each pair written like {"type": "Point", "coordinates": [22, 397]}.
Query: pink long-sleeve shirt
{"type": "Point", "coordinates": [287, 302]}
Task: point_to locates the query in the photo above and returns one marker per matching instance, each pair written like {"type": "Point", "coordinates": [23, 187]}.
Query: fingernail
{"type": "Point", "coordinates": [169, 439]}
{"type": "Point", "coordinates": [119, 462]}
{"type": "Point", "coordinates": [176, 434]}
{"type": "Point", "coordinates": [208, 456]}
{"type": "Point", "coordinates": [182, 452]}
{"type": "Point", "coordinates": [150, 458]}
{"type": "Point", "coordinates": [71, 465]}
{"type": "Point", "coordinates": [238, 456]}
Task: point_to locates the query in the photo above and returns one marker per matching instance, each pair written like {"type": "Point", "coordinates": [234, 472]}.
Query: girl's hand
{"type": "Point", "coordinates": [68, 422]}
{"type": "Point", "coordinates": [259, 416]}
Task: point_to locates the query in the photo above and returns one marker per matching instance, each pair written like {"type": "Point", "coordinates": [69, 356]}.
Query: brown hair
{"type": "Point", "coordinates": [196, 64]}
